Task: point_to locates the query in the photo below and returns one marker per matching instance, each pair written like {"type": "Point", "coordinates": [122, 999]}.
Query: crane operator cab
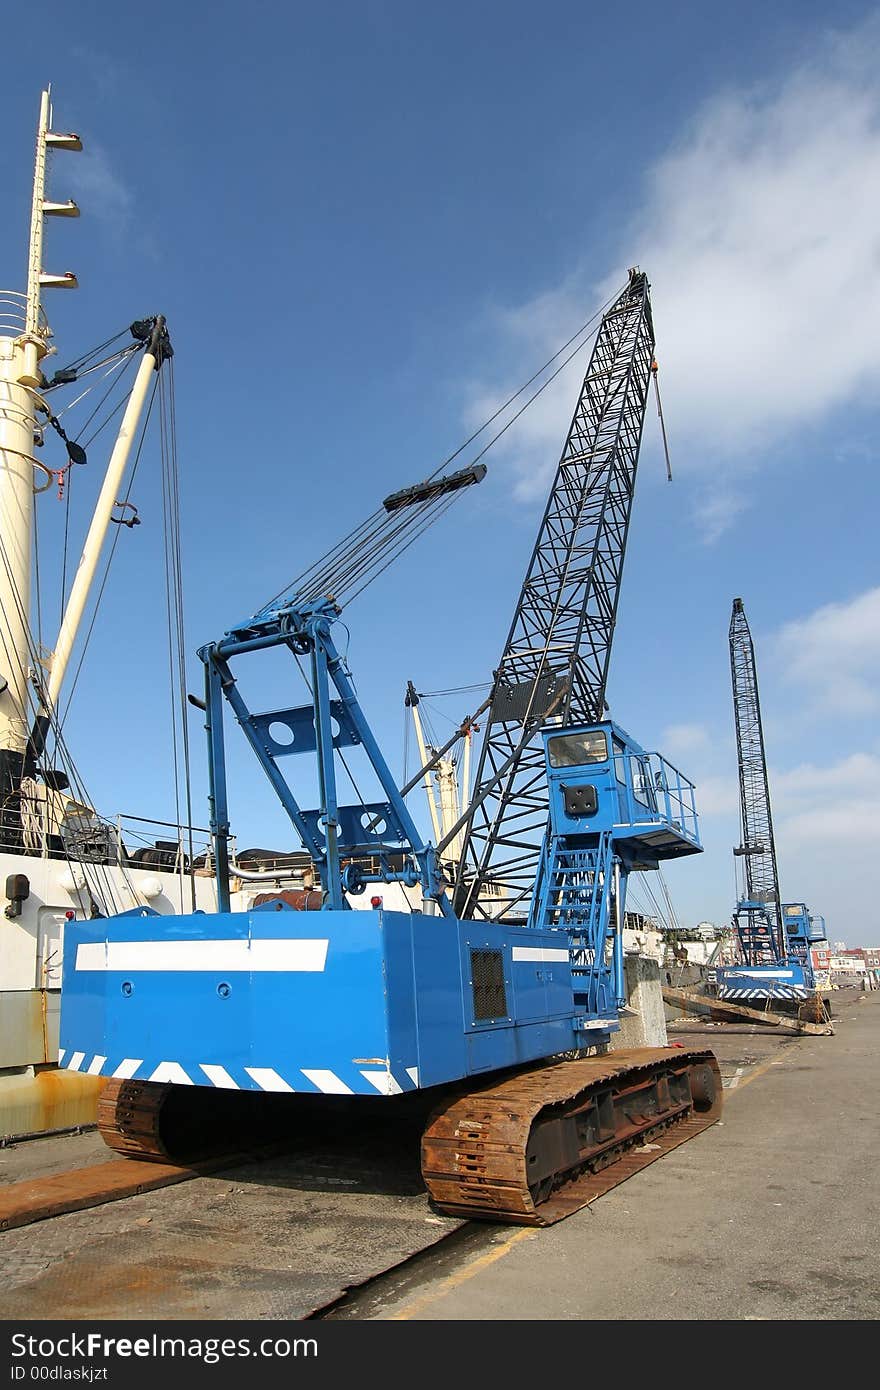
{"type": "Point", "coordinates": [801, 929]}
{"type": "Point", "coordinates": [602, 782]}
{"type": "Point", "coordinates": [613, 808]}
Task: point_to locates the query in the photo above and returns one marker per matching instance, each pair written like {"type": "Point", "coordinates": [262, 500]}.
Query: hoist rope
{"type": "Point", "coordinates": [366, 552]}
{"type": "Point", "coordinates": [101, 884]}
{"type": "Point", "coordinates": [78, 363]}
{"type": "Point", "coordinates": [174, 607]}
{"type": "Point", "coordinates": [120, 359]}
{"type": "Point", "coordinates": [85, 443]}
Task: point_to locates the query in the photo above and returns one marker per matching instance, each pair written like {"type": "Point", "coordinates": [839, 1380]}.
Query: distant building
{"type": "Point", "coordinates": [848, 967]}
{"type": "Point", "coordinates": [707, 931]}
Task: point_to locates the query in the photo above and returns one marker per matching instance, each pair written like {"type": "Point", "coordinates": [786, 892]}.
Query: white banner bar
{"type": "Point", "coordinates": [227, 957]}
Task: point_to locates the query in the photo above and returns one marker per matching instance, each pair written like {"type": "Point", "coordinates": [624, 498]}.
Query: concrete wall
{"type": "Point", "coordinates": [646, 1025]}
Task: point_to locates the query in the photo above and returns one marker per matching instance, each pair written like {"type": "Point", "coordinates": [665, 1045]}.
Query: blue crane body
{"type": "Point", "coordinates": [515, 977]}
{"type": "Point", "coordinates": [355, 1002]}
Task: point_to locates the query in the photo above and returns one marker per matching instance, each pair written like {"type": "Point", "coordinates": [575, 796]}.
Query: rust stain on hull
{"type": "Point", "coordinates": [47, 1100]}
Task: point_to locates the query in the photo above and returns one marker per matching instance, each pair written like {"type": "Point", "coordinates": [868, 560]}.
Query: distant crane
{"type": "Point", "coordinates": [758, 921]}
{"type": "Point", "coordinates": [774, 937]}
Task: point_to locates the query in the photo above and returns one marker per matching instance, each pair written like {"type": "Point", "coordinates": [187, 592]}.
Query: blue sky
{"type": "Point", "coordinates": [366, 223]}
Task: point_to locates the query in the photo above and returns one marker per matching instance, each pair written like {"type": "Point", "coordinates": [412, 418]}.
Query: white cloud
{"type": "Point", "coordinates": [857, 775]}
{"type": "Point", "coordinates": [838, 804]}
{"type": "Point", "coordinates": [534, 445]}
{"type": "Point", "coordinates": [716, 509]}
{"type": "Point", "coordinates": [680, 739]}
{"type": "Point", "coordinates": [822, 813]}
{"type": "Point", "coordinates": [834, 655]}
{"type": "Point", "coordinates": [717, 796]}
{"type": "Point", "coordinates": [100, 190]}
{"type": "Point", "coordinates": [848, 823]}
{"type": "Point", "coordinates": [760, 231]}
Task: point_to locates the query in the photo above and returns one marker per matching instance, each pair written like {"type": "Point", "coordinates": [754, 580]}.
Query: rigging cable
{"type": "Point", "coordinates": [370, 547]}
{"type": "Point", "coordinates": [63, 375]}
{"type": "Point", "coordinates": [40, 707]}
{"type": "Point", "coordinates": [85, 444]}
{"type": "Point", "coordinates": [174, 608]}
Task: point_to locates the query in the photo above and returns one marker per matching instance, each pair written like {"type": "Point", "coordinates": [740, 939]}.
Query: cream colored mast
{"type": "Point", "coordinates": [24, 342]}
{"type": "Point", "coordinates": [445, 772]}
{"type": "Point", "coordinates": [156, 348]}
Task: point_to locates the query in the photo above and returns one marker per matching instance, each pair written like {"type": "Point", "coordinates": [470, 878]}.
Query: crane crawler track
{"type": "Point", "coordinates": [160, 1122]}
{"type": "Point", "coordinates": [538, 1146]}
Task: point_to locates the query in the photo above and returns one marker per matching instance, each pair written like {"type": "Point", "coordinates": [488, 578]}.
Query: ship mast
{"type": "Point", "coordinates": [24, 342]}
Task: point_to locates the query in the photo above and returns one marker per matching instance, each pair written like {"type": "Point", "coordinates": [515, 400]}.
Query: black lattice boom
{"type": "Point", "coordinates": [555, 660]}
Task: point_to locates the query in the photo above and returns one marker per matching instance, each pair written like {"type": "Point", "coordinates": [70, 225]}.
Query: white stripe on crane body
{"type": "Point", "coordinates": [545, 955]}
{"type": "Point", "coordinates": [327, 1081]}
{"type": "Point", "coordinates": [383, 1081]}
{"type": "Point", "coordinates": [765, 975]}
{"type": "Point", "coordinates": [219, 1076]}
{"type": "Point", "coordinates": [171, 1071]}
{"type": "Point", "coordinates": [228, 957]}
{"type": "Point", "coordinates": [267, 1079]}
{"type": "Point", "coordinates": [127, 1068]}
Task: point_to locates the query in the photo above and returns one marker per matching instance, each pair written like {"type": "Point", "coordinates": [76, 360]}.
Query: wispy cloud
{"type": "Point", "coordinates": [716, 510]}
{"type": "Point", "coordinates": [100, 189]}
{"type": "Point", "coordinates": [717, 795]}
{"type": "Point", "coordinates": [838, 804]}
{"type": "Point", "coordinates": [760, 230]}
{"type": "Point", "coordinates": [832, 657]}
{"type": "Point", "coordinates": [681, 739]}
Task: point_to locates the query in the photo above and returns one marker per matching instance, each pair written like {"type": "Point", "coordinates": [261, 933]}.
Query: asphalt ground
{"type": "Point", "coordinates": [771, 1213]}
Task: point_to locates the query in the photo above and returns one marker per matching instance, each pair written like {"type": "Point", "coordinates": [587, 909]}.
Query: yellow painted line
{"type": "Point", "coordinates": [752, 1076]}
{"type": "Point", "coordinates": [461, 1276]}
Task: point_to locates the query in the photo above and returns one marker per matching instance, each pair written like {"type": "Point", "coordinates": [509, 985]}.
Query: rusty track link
{"type": "Point", "coordinates": [604, 1119]}
{"type": "Point", "coordinates": [128, 1119]}
{"type": "Point", "coordinates": [159, 1122]}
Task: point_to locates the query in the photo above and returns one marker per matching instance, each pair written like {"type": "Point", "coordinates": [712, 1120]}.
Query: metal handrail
{"type": "Point", "coordinates": [13, 314]}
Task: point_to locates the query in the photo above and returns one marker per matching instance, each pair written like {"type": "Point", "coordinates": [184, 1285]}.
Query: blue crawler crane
{"type": "Point", "coordinates": [774, 938]}
{"type": "Point", "coordinates": [500, 1016]}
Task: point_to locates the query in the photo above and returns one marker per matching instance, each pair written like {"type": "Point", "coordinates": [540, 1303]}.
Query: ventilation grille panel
{"type": "Point", "coordinates": [487, 973]}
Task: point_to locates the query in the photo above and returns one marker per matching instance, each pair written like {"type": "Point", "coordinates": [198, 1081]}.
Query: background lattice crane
{"type": "Point", "coordinates": [758, 919]}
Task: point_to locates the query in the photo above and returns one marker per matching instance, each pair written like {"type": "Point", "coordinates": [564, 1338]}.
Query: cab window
{"type": "Point", "coordinates": [573, 750]}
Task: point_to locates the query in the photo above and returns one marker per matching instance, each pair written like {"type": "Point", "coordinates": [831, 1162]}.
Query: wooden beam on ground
{"type": "Point", "coordinates": [785, 1023]}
